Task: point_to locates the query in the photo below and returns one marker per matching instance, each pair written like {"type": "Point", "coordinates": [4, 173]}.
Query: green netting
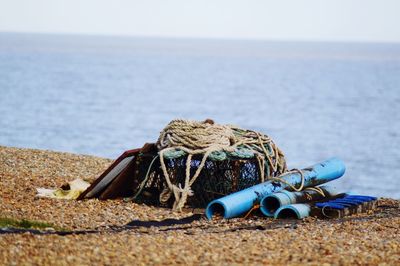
{"type": "Point", "coordinates": [238, 153]}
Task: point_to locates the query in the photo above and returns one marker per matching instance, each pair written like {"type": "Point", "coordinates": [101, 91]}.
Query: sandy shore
{"type": "Point", "coordinates": [372, 238]}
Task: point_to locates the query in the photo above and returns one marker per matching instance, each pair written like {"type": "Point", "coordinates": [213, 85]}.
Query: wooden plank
{"type": "Point", "coordinates": [335, 213]}
{"type": "Point", "coordinates": [113, 171]}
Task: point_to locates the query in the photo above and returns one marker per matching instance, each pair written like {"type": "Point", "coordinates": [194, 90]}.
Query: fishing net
{"type": "Point", "coordinates": [196, 162]}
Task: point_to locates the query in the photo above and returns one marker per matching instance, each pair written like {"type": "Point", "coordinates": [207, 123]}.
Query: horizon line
{"type": "Point", "coordinates": [204, 38]}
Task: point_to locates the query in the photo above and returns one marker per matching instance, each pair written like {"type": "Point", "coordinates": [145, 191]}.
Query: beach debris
{"type": "Point", "coordinates": [227, 169]}
{"type": "Point", "coordinates": [293, 211]}
{"type": "Point", "coordinates": [345, 206]}
{"type": "Point", "coordinates": [334, 208]}
{"type": "Point", "coordinates": [191, 164]}
{"type": "Point", "coordinates": [239, 203]}
{"type": "Point", "coordinates": [207, 139]}
{"type": "Point", "coordinates": [119, 178]}
{"type": "Point", "coordinates": [270, 203]}
{"type": "Point", "coordinates": [71, 190]}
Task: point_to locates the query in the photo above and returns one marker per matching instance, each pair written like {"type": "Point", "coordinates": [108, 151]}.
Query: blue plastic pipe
{"type": "Point", "coordinates": [302, 210]}
{"type": "Point", "coordinates": [242, 201]}
{"type": "Point", "coordinates": [298, 210]}
{"type": "Point", "coordinates": [271, 203]}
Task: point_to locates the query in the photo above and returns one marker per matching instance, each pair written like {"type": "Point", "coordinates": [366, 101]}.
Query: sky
{"type": "Point", "coordinates": [309, 20]}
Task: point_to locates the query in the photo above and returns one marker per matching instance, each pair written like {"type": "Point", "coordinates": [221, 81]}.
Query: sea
{"type": "Point", "coordinates": [102, 95]}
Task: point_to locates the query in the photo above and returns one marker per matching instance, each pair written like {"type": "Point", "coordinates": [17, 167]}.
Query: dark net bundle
{"type": "Point", "coordinates": [217, 179]}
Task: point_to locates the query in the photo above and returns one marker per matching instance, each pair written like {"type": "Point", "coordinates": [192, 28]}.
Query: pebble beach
{"type": "Point", "coordinates": [367, 239]}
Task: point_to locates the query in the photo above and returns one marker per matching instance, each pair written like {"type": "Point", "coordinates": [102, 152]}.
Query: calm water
{"type": "Point", "coordinates": [103, 95]}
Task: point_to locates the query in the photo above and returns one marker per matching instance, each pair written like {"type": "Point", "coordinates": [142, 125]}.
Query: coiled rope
{"type": "Point", "coordinates": [195, 138]}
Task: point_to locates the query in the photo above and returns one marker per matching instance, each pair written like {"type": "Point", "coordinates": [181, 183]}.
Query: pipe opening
{"type": "Point", "coordinates": [270, 205]}
{"type": "Point", "coordinates": [288, 214]}
{"type": "Point", "coordinates": [215, 211]}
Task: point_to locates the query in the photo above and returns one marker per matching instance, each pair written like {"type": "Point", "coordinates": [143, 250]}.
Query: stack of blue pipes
{"type": "Point", "coordinates": [275, 200]}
